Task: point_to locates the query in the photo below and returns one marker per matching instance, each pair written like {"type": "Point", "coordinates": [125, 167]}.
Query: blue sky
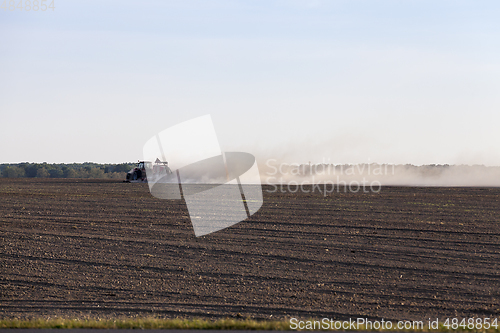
{"type": "Point", "coordinates": [340, 81]}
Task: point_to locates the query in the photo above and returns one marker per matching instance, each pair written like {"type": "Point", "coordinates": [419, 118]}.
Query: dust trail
{"type": "Point", "coordinates": [273, 171]}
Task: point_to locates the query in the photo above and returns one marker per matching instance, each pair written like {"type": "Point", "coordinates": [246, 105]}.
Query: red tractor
{"type": "Point", "coordinates": [137, 174]}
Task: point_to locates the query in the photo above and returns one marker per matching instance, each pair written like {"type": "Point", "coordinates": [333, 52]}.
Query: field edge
{"type": "Point", "coordinates": [187, 324]}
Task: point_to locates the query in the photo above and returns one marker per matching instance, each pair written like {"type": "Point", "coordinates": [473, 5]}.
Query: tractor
{"type": "Point", "coordinates": [155, 170]}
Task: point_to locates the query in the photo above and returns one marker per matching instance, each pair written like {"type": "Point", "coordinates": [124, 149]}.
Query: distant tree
{"type": "Point", "coordinates": [68, 172]}
{"type": "Point", "coordinates": [31, 169]}
{"type": "Point", "coordinates": [73, 170]}
{"type": "Point", "coordinates": [42, 173]}
{"type": "Point", "coordinates": [96, 173]}
{"type": "Point", "coordinates": [13, 172]}
{"type": "Point", "coordinates": [56, 172]}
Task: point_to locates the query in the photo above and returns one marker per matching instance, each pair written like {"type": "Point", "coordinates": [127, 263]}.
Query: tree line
{"type": "Point", "coordinates": [61, 170]}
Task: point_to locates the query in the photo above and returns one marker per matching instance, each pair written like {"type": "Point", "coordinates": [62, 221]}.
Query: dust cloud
{"type": "Point", "coordinates": [273, 171]}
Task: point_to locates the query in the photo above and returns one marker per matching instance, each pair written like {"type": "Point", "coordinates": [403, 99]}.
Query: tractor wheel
{"type": "Point", "coordinates": [134, 176]}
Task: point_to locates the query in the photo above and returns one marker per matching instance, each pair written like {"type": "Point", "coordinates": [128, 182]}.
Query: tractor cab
{"type": "Point", "coordinates": [143, 165]}
{"type": "Point", "coordinates": [138, 174]}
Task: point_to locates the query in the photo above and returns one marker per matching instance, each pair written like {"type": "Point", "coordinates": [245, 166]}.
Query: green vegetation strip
{"type": "Point", "coordinates": [147, 323]}
{"type": "Point", "coordinates": [157, 323]}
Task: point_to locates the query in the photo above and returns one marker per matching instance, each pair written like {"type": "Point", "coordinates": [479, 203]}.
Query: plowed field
{"type": "Point", "coordinates": [94, 248]}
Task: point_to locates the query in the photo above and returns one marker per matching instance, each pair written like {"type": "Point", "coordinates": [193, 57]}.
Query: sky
{"type": "Point", "coordinates": [405, 82]}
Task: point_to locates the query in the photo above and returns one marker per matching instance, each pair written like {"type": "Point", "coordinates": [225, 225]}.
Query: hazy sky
{"type": "Point", "coordinates": [342, 81]}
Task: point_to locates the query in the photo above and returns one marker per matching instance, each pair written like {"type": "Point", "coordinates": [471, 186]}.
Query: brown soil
{"type": "Point", "coordinates": [96, 248]}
